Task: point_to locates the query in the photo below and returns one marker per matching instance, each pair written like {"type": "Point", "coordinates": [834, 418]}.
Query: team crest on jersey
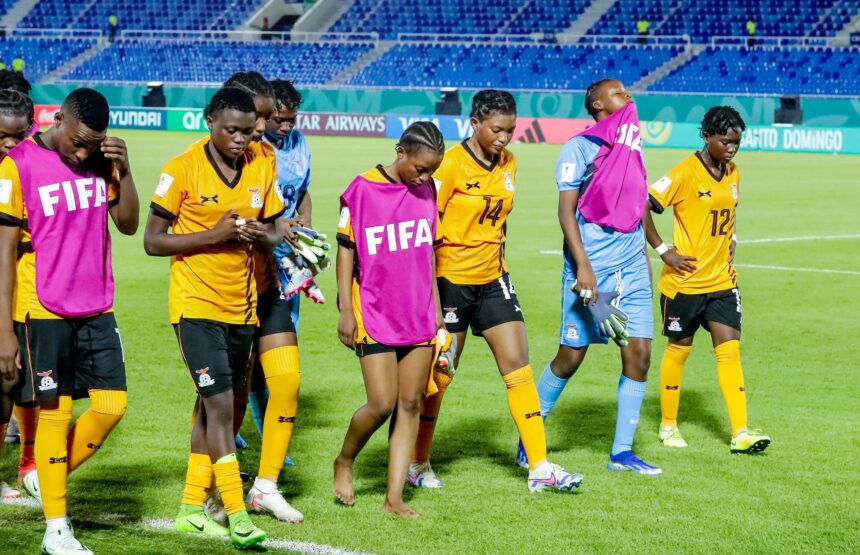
{"type": "Point", "coordinates": [734, 187]}
{"type": "Point", "coordinates": [256, 199]}
{"type": "Point", "coordinates": [674, 325]}
{"type": "Point", "coordinates": [47, 382]}
{"type": "Point", "coordinates": [451, 315]}
{"type": "Point", "coordinates": [509, 183]}
{"type": "Point", "coordinates": [572, 332]}
{"type": "Point", "coordinates": [205, 379]}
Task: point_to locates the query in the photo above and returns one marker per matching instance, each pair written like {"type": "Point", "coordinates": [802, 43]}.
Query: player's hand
{"type": "Point", "coordinates": [347, 329]}
{"type": "Point", "coordinates": [226, 228]}
{"type": "Point", "coordinates": [252, 230]}
{"type": "Point", "coordinates": [585, 285]}
{"type": "Point", "coordinates": [440, 320]}
{"type": "Point", "coordinates": [10, 359]}
{"type": "Point", "coordinates": [680, 263]}
{"type": "Point", "coordinates": [611, 320]}
{"type": "Point", "coordinates": [287, 225]}
{"type": "Point", "coordinates": [114, 150]}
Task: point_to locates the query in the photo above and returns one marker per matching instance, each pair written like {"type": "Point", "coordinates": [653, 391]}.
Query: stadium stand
{"type": "Point", "coordinates": [187, 61]}
{"type": "Point", "coordinates": [139, 14]}
{"type": "Point", "coordinates": [768, 71]}
{"type": "Point", "coordinates": [786, 18]}
{"type": "Point", "coordinates": [509, 66]}
{"type": "Point", "coordinates": [42, 55]}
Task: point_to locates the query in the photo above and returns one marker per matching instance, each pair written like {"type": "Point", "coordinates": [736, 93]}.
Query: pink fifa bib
{"type": "Point", "coordinates": [618, 192]}
{"type": "Point", "coordinates": [394, 228]}
{"type": "Point", "coordinates": [67, 210]}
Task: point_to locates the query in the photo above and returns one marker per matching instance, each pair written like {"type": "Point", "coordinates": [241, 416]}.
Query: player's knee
{"type": "Point", "coordinates": [567, 362]}
{"type": "Point", "coordinates": [637, 359]}
{"type": "Point", "coordinates": [381, 409]}
{"type": "Point", "coordinates": [110, 403]}
{"type": "Point", "coordinates": [409, 404]}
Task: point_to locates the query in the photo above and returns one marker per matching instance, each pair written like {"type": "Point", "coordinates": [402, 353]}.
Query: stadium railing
{"type": "Point", "coordinates": [248, 36]}
{"type": "Point", "coordinates": [23, 33]}
{"type": "Point", "coordinates": [803, 42]}
{"type": "Point", "coordinates": [546, 38]}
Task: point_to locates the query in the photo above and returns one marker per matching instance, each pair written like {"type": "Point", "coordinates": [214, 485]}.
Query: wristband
{"type": "Point", "coordinates": [661, 249]}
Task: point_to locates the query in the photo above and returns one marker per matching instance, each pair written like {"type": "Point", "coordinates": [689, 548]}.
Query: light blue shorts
{"type": "Point", "coordinates": [633, 282]}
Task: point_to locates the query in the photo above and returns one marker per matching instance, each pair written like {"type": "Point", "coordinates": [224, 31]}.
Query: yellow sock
{"type": "Point", "coordinates": [51, 455]}
{"type": "Point", "coordinates": [671, 370]}
{"type": "Point", "coordinates": [283, 377]}
{"type": "Point", "coordinates": [93, 426]}
{"type": "Point", "coordinates": [27, 418]}
{"type": "Point", "coordinates": [229, 483]}
{"type": "Point", "coordinates": [731, 377]}
{"type": "Point", "coordinates": [198, 479]}
{"type": "Point", "coordinates": [525, 408]}
{"type": "Point", "coordinates": [427, 418]}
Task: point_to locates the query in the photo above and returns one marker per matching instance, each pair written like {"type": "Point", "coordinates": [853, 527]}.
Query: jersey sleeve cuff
{"type": "Point", "coordinates": [161, 212]}
{"type": "Point", "coordinates": [10, 221]}
{"type": "Point", "coordinates": [273, 217]}
{"type": "Point", "coordinates": [656, 207]}
{"type": "Point", "coordinates": [343, 239]}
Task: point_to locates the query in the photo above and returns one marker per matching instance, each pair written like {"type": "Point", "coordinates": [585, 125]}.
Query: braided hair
{"type": "Point", "coordinates": [14, 80]}
{"type": "Point", "coordinates": [491, 102]}
{"type": "Point", "coordinates": [16, 104]}
{"type": "Point", "coordinates": [422, 134]}
{"type": "Point", "coordinates": [252, 82]}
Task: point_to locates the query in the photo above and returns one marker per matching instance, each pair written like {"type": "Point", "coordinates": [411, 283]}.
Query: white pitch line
{"type": "Point", "coordinates": [803, 238]}
{"type": "Point", "coordinates": [297, 546]}
{"type": "Point", "coordinates": [792, 269]}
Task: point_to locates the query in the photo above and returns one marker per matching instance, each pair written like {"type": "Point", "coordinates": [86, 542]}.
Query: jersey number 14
{"type": "Point", "coordinates": [493, 214]}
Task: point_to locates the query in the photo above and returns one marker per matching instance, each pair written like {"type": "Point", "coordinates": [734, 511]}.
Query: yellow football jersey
{"type": "Point", "coordinates": [474, 202]}
{"type": "Point", "coordinates": [13, 211]}
{"type": "Point", "coordinates": [704, 222]}
{"type": "Point", "coordinates": [216, 283]}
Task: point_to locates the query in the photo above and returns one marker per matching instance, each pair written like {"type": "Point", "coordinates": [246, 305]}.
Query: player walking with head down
{"type": "Point", "coordinates": [699, 282]}
{"type": "Point", "coordinates": [606, 285]}
{"type": "Point", "coordinates": [388, 301]}
{"type": "Point", "coordinates": [476, 194]}
{"type": "Point", "coordinates": [220, 199]}
{"type": "Point", "coordinates": [59, 188]}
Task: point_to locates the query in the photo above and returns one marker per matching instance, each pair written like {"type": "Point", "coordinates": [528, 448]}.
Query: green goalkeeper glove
{"type": "Point", "coordinates": [312, 246]}
{"type": "Point", "coordinates": [611, 320]}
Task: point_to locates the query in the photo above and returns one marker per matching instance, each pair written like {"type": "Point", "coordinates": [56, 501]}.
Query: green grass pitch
{"type": "Point", "coordinates": [799, 354]}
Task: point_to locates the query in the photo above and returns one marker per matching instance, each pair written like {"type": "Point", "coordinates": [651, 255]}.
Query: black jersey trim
{"type": "Point", "coordinates": [489, 167]}
{"type": "Point", "coordinates": [385, 174]}
{"type": "Point", "coordinates": [227, 182]}
{"type": "Point", "coordinates": [708, 170]}
{"type": "Point", "coordinates": [161, 212]}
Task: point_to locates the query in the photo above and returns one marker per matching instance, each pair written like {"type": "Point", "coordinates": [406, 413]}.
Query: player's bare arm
{"type": "Point", "coordinates": [126, 213]}
{"type": "Point", "coordinates": [585, 279]}
{"type": "Point", "coordinates": [158, 242]}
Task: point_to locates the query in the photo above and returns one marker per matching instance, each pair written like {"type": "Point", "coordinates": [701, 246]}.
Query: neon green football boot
{"type": "Point", "coordinates": [671, 437]}
{"type": "Point", "coordinates": [750, 441]}
{"type": "Point", "coordinates": [193, 520]}
{"type": "Point", "coordinates": [243, 533]}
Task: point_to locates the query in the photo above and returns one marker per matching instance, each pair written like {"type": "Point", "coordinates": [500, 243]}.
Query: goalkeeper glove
{"type": "Point", "coordinates": [312, 246]}
{"type": "Point", "coordinates": [611, 320]}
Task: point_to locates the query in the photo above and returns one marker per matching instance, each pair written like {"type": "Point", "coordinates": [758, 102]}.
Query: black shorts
{"type": "Point", "coordinates": [275, 314]}
{"type": "Point", "coordinates": [366, 349]}
{"type": "Point", "coordinates": [59, 357]}
{"type": "Point", "coordinates": [215, 353]}
{"type": "Point", "coordinates": [683, 315]}
{"type": "Point", "coordinates": [479, 306]}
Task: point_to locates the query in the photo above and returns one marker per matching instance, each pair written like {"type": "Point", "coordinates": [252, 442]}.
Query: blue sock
{"type": "Point", "coordinates": [630, 395]}
{"type": "Point", "coordinates": [257, 401]}
{"type": "Point", "coordinates": [549, 389]}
